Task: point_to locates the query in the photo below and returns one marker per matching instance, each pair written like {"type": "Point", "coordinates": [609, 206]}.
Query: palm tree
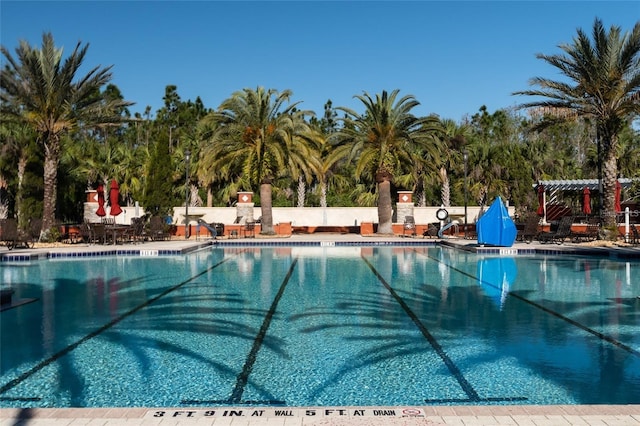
{"type": "Point", "coordinates": [455, 137]}
{"type": "Point", "coordinates": [40, 89]}
{"type": "Point", "coordinates": [382, 141]}
{"type": "Point", "coordinates": [16, 147]}
{"type": "Point", "coordinates": [256, 139]}
{"type": "Point", "coordinates": [603, 85]}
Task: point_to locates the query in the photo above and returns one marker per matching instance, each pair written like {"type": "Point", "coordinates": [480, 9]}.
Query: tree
{"type": "Point", "coordinates": [454, 144]}
{"type": "Point", "coordinates": [255, 139]}
{"type": "Point", "coordinates": [382, 139]}
{"type": "Point", "coordinates": [158, 199]}
{"type": "Point", "coordinates": [602, 83]}
{"type": "Point", "coordinates": [40, 89]}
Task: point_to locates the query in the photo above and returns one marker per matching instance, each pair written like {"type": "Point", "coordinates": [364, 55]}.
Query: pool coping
{"type": "Point", "coordinates": [178, 247]}
{"type": "Point", "coordinates": [393, 415]}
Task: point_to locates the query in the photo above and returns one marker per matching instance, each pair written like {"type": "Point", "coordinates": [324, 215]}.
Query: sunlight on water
{"type": "Point", "coordinates": [329, 325]}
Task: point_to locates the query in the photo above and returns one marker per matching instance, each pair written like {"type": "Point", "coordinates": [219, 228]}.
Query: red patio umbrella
{"type": "Point", "coordinates": [586, 201]}
{"type": "Point", "coordinates": [114, 194]}
{"type": "Point", "coordinates": [100, 211]}
{"type": "Point", "coordinates": [541, 200]}
{"type": "Point", "coordinates": [618, 208]}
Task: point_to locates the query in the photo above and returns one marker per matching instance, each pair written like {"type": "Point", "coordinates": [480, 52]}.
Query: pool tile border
{"type": "Point", "coordinates": [185, 247]}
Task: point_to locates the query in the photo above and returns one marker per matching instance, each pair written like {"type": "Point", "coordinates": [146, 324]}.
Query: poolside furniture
{"type": "Point", "coordinates": [409, 226]}
{"type": "Point", "coordinates": [635, 235]}
{"type": "Point", "coordinates": [11, 236]}
{"type": "Point", "coordinates": [157, 229]}
{"type": "Point", "coordinates": [98, 233]}
{"type": "Point", "coordinates": [432, 230]}
{"type": "Point", "coordinates": [591, 233]}
{"type": "Point", "coordinates": [249, 229]}
{"type": "Point", "coordinates": [531, 229]}
{"type": "Point", "coordinates": [119, 233]}
{"type": "Point", "coordinates": [136, 233]}
{"type": "Point", "coordinates": [560, 234]}
{"type": "Point", "coordinates": [86, 233]}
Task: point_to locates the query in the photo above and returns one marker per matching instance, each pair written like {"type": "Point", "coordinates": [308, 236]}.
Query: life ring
{"type": "Point", "coordinates": [442, 214]}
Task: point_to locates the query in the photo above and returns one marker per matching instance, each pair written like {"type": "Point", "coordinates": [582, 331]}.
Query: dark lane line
{"type": "Point", "coordinates": [543, 308]}
{"type": "Point", "coordinates": [468, 389]}
{"type": "Point", "coordinates": [24, 376]}
{"type": "Point", "coordinates": [243, 377]}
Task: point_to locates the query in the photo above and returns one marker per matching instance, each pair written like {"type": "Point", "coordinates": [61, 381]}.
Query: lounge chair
{"type": "Point", "coordinates": [531, 228]}
{"type": "Point", "coordinates": [12, 236]}
{"type": "Point", "coordinates": [409, 226]}
{"type": "Point", "coordinates": [431, 231]}
{"type": "Point", "coordinates": [559, 235]}
{"type": "Point", "coordinates": [591, 233]}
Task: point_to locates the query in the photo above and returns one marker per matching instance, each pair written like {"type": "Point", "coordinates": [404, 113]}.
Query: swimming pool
{"type": "Point", "coordinates": [319, 326]}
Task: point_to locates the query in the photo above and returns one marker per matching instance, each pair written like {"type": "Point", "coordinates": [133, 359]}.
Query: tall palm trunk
{"type": "Point", "coordinates": [302, 189]}
{"type": "Point", "coordinates": [266, 225]}
{"type": "Point", "coordinates": [385, 210]}
{"type": "Point", "coordinates": [446, 188]}
{"type": "Point", "coordinates": [609, 178]}
{"type": "Point", "coordinates": [323, 193]}
{"type": "Point", "coordinates": [22, 168]}
{"type": "Point", "coordinates": [51, 161]}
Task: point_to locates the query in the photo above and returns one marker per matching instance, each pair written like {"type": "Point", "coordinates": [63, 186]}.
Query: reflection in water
{"type": "Point", "coordinates": [353, 326]}
{"type": "Point", "coordinates": [495, 277]}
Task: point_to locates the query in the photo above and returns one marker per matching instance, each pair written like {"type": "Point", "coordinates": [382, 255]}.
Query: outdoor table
{"type": "Point", "coordinates": [118, 230]}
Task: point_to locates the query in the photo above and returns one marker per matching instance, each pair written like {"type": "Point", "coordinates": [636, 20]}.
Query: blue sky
{"type": "Point", "coordinates": [453, 56]}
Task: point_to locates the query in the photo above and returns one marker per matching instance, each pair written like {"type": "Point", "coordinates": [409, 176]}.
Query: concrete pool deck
{"type": "Point", "coordinates": [178, 246]}
{"type": "Point", "coordinates": [538, 415]}
{"type": "Point", "coordinates": [301, 416]}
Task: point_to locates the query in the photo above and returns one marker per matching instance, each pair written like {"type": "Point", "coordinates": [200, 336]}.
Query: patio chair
{"type": "Point", "coordinates": [158, 229]}
{"type": "Point", "coordinates": [249, 229]}
{"type": "Point", "coordinates": [635, 235]}
{"type": "Point", "coordinates": [86, 233]}
{"type": "Point", "coordinates": [108, 221]}
{"type": "Point", "coordinates": [409, 226]}
{"type": "Point", "coordinates": [559, 235]}
{"type": "Point", "coordinates": [99, 233]}
{"type": "Point", "coordinates": [432, 230]}
{"type": "Point", "coordinates": [530, 231]}
{"type": "Point", "coordinates": [135, 232]}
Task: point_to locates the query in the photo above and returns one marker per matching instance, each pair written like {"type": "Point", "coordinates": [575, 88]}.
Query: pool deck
{"type": "Point", "coordinates": [537, 415]}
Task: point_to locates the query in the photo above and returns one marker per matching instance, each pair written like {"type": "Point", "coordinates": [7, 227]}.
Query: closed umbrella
{"type": "Point", "coordinates": [100, 212]}
{"type": "Point", "coordinates": [618, 208]}
{"type": "Point", "coordinates": [541, 200]}
{"type": "Point", "coordinates": [114, 195]}
{"type": "Point", "coordinates": [586, 201]}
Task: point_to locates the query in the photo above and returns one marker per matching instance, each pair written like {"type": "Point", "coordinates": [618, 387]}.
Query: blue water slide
{"type": "Point", "coordinates": [210, 228]}
{"type": "Point", "coordinates": [447, 226]}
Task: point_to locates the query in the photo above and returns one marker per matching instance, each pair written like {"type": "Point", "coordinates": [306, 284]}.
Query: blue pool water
{"type": "Point", "coordinates": [318, 326]}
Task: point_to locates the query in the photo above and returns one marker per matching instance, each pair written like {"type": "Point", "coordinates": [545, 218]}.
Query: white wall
{"type": "Point", "coordinates": [324, 216]}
